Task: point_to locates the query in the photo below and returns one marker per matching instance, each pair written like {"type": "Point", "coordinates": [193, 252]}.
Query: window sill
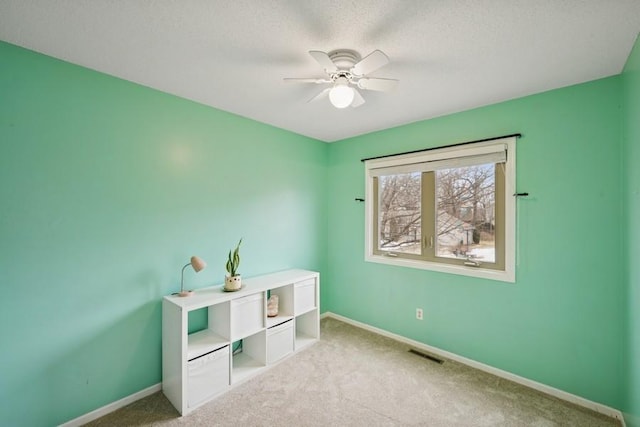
{"type": "Point", "coordinates": [484, 273]}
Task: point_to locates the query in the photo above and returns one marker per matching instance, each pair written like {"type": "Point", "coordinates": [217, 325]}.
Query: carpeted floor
{"type": "Point", "coordinates": [352, 377]}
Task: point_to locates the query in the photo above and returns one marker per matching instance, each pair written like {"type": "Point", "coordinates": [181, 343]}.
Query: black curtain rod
{"type": "Point", "coordinates": [517, 135]}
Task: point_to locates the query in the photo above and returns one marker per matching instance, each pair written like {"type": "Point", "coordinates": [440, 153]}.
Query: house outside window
{"type": "Point", "coordinates": [450, 209]}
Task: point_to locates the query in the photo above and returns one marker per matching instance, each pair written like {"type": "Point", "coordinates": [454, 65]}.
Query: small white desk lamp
{"type": "Point", "coordinates": [198, 264]}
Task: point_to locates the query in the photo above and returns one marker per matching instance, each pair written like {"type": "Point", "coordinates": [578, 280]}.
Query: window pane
{"type": "Point", "coordinates": [399, 213]}
{"type": "Point", "coordinates": [465, 214]}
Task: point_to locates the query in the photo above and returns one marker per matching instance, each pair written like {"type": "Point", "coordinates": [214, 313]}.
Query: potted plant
{"type": "Point", "coordinates": [233, 280]}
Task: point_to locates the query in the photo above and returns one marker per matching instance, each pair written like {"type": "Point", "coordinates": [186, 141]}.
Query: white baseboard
{"type": "Point", "coordinates": [107, 409]}
{"type": "Point", "coordinates": [598, 407]}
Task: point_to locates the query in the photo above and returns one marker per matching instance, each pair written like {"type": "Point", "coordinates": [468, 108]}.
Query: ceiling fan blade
{"type": "Point", "coordinates": [374, 83]}
{"type": "Point", "coordinates": [370, 63]}
{"type": "Point", "coordinates": [310, 80]}
{"type": "Point", "coordinates": [358, 100]}
{"type": "Point", "coordinates": [321, 95]}
{"type": "Point", "coordinates": [323, 59]}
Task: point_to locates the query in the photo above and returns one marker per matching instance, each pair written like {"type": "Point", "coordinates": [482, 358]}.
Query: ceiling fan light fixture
{"type": "Point", "coordinates": [341, 95]}
{"type": "Point", "coordinates": [346, 73]}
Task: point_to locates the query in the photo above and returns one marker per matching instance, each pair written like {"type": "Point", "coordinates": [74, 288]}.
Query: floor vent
{"type": "Point", "coordinates": [426, 356]}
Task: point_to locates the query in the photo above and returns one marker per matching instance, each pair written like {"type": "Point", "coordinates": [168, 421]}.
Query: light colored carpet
{"type": "Point", "coordinates": [353, 377]}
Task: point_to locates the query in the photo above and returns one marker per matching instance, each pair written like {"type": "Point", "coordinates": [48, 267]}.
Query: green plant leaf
{"type": "Point", "coordinates": [233, 260]}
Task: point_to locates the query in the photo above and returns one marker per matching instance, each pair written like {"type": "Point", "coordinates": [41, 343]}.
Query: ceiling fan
{"type": "Point", "coordinates": [347, 73]}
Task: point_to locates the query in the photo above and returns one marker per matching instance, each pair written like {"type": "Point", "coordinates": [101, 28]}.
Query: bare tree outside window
{"type": "Point", "coordinates": [400, 213]}
{"type": "Point", "coordinates": [465, 221]}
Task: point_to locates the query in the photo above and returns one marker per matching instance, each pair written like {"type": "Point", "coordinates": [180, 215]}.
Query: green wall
{"type": "Point", "coordinates": [562, 322]}
{"type": "Point", "coordinates": [631, 81]}
{"type": "Point", "coordinates": [106, 189]}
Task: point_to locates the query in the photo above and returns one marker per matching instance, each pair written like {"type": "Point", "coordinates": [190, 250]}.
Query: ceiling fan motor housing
{"type": "Point", "coordinates": [344, 59]}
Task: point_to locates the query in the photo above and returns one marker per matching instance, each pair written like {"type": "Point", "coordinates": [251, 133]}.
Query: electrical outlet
{"type": "Point", "coordinates": [419, 313]}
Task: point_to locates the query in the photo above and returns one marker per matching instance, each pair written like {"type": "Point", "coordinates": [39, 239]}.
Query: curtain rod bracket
{"type": "Point", "coordinates": [520, 194]}
{"type": "Point", "coordinates": [359, 199]}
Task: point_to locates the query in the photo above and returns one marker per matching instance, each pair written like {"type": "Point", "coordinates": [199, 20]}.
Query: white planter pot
{"type": "Point", "coordinates": [233, 283]}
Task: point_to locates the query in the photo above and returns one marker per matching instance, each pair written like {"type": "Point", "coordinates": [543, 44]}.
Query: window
{"type": "Point", "coordinates": [450, 209]}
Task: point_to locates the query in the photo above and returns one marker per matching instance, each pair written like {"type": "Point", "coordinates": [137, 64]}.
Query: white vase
{"type": "Point", "coordinates": [233, 283]}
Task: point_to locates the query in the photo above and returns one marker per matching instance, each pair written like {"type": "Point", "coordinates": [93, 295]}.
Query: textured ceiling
{"type": "Point", "coordinates": [448, 55]}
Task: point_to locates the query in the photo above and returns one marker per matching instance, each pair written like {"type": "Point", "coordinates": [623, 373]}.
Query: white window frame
{"type": "Point", "coordinates": [475, 149]}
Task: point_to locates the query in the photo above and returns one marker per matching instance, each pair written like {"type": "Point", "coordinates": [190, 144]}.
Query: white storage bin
{"type": "Point", "coordinates": [247, 315]}
{"type": "Point", "coordinates": [203, 342]}
{"type": "Point", "coordinates": [279, 341]}
{"type": "Point", "coordinates": [304, 295]}
{"type": "Point", "coordinates": [208, 376]}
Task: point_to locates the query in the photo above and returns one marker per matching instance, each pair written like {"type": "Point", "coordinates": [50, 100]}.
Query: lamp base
{"type": "Point", "coordinates": [185, 293]}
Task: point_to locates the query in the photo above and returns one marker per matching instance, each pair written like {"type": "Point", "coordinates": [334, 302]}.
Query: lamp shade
{"type": "Point", "coordinates": [341, 95]}
{"type": "Point", "coordinates": [198, 263]}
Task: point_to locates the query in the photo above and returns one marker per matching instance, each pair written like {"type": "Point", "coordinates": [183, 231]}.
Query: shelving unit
{"type": "Point", "coordinates": [200, 366]}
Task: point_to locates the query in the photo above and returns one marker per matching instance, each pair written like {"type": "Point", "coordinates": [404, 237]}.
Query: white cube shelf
{"type": "Point", "coordinates": [198, 367]}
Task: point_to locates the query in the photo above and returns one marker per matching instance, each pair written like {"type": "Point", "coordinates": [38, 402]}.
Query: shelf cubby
{"type": "Point", "coordinates": [251, 359]}
{"type": "Point", "coordinates": [219, 319]}
{"type": "Point", "coordinates": [285, 304]}
{"type": "Point", "coordinates": [307, 329]}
